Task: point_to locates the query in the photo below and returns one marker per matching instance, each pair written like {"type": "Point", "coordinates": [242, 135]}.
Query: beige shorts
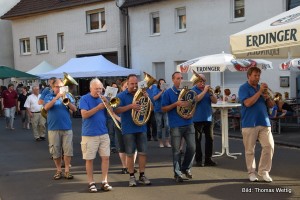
{"type": "Point", "coordinates": [90, 145]}
{"type": "Point", "coordinates": [60, 140]}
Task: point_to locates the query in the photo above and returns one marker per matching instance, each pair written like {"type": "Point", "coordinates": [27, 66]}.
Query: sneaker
{"type": "Point", "coordinates": [252, 177]}
{"type": "Point", "coordinates": [43, 138]}
{"type": "Point", "coordinates": [267, 178]}
{"type": "Point", "coordinates": [132, 181]}
{"type": "Point", "coordinates": [178, 179]}
{"type": "Point", "coordinates": [188, 174]}
{"type": "Point", "coordinates": [38, 139]}
{"type": "Point", "coordinates": [144, 180]}
{"type": "Point", "coordinates": [168, 145]}
{"type": "Point", "coordinates": [124, 171]}
{"type": "Point", "coordinates": [105, 186]}
{"type": "Point", "coordinates": [161, 145]}
{"type": "Point", "coordinates": [210, 163]}
{"type": "Point", "coordinates": [199, 164]}
{"type": "Point", "coordinates": [92, 187]}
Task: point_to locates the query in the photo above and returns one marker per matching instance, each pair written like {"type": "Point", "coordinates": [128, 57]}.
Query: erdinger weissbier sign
{"type": "Point", "coordinates": [278, 37]}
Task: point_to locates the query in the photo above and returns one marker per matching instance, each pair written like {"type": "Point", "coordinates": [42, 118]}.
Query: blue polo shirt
{"type": "Point", "coordinates": [203, 112]}
{"type": "Point", "coordinates": [45, 92]}
{"type": "Point", "coordinates": [255, 115]}
{"type": "Point", "coordinates": [150, 92]}
{"type": "Point", "coordinates": [58, 117]}
{"type": "Point", "coordinates": [96, 124]}
{"type": "Point", "coordinates": [170, 96]}
{"type": "Point", "coordinates": [157, 102]}
{"type": "Point", "coordinates": [128, 126]}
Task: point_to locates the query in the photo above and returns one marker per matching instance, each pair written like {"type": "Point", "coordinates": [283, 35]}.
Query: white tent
{"type": "Point", "coordinates": [43, 67]}
{"type": "Point", "coordinates": [278, 37]}
{"type": "Point", "coordinates": [93, 66]}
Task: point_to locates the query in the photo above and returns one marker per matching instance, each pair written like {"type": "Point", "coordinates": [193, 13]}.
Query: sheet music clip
{"type": "Point", "coordinates": [111, 92]}
{"type": "Point", "coordinates": [142, 84]}
{"type": "Point", "coordinates": [186, 84]}
{"type": "Point", "coordinates": [164, 86]}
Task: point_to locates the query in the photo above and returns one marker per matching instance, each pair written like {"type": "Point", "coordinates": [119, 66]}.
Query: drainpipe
{"type": "Point", "coordinates": [124, 11]}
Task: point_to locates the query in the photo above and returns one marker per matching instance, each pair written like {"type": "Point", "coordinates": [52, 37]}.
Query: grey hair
{"type": "Point", "coordinates": [35, 86]}
{"type": "Point", "coordinates": [94, 81]}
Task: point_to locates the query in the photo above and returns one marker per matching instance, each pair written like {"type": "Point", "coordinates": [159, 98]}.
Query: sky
{"type": "Point", "coordinates": [6, 5]}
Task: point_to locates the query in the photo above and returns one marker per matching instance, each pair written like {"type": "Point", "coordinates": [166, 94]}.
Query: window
{"type": "Point", "coordinates": [155, 26]}
{"type": "Point", "coordinates": [237, 10]}
{"type": "Point", "coordinates": [42, 44]}
{"type": "Point", "coordinates": [25, 46]}
{"type": "Point", "coordinates": [292, 4]}
{"type": "Point", "coordinates": [180, 19]}
{"type": "Point", "coordinates": [96, 21]}
{"type": "Point", "coordinates": [60, 42]}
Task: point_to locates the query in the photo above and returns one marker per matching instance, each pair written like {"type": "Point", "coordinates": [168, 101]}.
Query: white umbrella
{"type": "Point", "coordinates": [221, 62]}
{"type": "Point", "coordinates": [293, 64]}
{"type": "Point", "coordinates": [277, 37]}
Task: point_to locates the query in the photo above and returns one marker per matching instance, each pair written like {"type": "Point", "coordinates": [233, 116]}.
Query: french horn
{"type": "Point", "coordinates": [189, 96]}
{"type": "Point", "coordinates": [142, 116]}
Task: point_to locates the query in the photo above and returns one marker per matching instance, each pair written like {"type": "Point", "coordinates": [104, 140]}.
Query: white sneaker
{"type": "Point", "coordinates": [252, 177]}
{"type": "Point", "coordinates": [267, 178]}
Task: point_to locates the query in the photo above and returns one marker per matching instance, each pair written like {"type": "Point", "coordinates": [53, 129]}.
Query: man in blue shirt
{"type": "Point", "coordinates": [95, 136]}
{"type": "Point", "coordinates": [179, 128]}
{"type": "Point", "coordinates": [134, 136]}
{"type": "Point", "coordinates": [203, 122]}
{"type": "Point", "coordinates": [60, 133]}
{"type": "Point", "coordinates": [256, 124]}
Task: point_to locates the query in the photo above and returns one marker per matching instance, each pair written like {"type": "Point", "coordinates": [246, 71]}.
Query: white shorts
{"type": "Point", "coordinates": [90, 145]}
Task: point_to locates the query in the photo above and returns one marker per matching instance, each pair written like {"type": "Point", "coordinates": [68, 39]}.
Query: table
{"type": "Point", "coordinates": [224, 106]}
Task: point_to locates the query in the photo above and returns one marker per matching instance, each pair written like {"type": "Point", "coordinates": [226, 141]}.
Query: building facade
{"type": "Point", "coordinates": [174, 31]}
{"type": "Point", "coordinates": [55, 33]}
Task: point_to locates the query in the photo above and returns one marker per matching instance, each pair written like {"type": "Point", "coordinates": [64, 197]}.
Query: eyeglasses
{"type": "Point", "coordinates": [58, 86]}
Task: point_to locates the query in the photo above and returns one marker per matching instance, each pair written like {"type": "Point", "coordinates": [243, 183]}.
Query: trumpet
{"type": "Point", "coordinates": [108, 108]}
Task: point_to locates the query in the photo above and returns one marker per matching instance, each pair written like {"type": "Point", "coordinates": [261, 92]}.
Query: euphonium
{"type": "Point", "coordinates": [141, 116]}
{"type": "Point", "coordinates": [188, 95]}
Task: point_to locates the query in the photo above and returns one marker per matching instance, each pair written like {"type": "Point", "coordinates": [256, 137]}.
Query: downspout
{"type": "Point", "coordinates": [124, 11]}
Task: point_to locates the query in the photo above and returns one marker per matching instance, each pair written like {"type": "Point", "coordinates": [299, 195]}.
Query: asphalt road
{"type": "Point", "coordinates": [26, 172]}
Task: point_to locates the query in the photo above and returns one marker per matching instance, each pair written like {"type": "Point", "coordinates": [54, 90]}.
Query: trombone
{"type": "Point", "coordinates": [108, 108]}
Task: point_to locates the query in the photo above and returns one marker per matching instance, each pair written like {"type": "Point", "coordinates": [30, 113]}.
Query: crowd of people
{"type": "Point", "coordinates": [100, 133]}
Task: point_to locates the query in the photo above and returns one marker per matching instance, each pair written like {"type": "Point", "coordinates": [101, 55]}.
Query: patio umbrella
{"type": "Point", "coordinates": [293, 64]}
{"type": "Point", "coordinates": [277, 37]}
{"type": "Point", "coordinates": [221, 62]}
{"type": "Point", "coordinates": [6, 72]}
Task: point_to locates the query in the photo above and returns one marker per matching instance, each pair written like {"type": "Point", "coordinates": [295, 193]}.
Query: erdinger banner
{"type": "Point", "coordinates": [293, 64]}
{"type": "Point", "coordinates": [278, 37]}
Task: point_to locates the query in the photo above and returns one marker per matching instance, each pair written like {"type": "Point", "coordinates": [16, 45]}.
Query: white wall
{"type": "Point", "coordinates": [72, 22]}
{"type": "Point", "coordinates": [6, 42]}
{"type": "Point", "coordinates": [208, 30]}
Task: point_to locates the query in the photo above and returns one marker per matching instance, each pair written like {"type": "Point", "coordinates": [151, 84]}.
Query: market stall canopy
{"type": "Point", "coordinates": [7, 72]}
{"type": "Point", "coordinates": [93, 66]}
{"type": "Point", "coordinates": [278, 37]}
{"type": "Point", "coordinates": [43, 67]}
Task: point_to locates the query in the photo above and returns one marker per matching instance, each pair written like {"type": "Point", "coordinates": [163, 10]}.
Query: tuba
{"type": "Point", "coordinates": [188, 95]}
{"type": "Point", "coordinates": [67, 81]}
{"type": "Point", "coordinates": [142, 116]}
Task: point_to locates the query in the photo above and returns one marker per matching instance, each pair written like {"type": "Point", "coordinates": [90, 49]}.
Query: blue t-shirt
{"type": "Point", "coordinates": [45, 92]}
{"type": "Point", "coordinates": [95, 124]}
{"type": "Point", "coordinates": [257, 114]}
{"type": "Point", "coordinates": [170, 96]}
{"type": "Point", "coordinates": [203, 112]}
{"type": "Point", "coordinates": [157, 102]}
{"type": "Point", "coordinates": [128, 126]}
{"type": "Point", "coordinates": [58, 117]}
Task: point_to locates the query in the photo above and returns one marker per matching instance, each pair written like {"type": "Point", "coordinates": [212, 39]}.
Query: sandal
{"type": "Point", "coordinates": [92, 187]}
{"type": "Point", "coordinates": [105, 186]}
{"type": "Point", "coordinates": [68, 175]}
{"type": "Point", "coordinates": [57, 176]}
